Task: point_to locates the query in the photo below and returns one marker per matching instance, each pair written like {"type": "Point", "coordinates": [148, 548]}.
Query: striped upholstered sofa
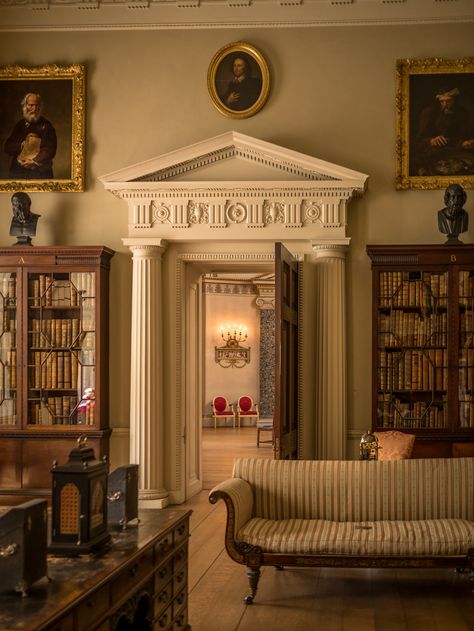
{"type": "Point", "coordinates": [403, 513]}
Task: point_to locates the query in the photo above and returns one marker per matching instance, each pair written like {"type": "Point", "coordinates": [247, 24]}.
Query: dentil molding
{"type": "Point", "coordinates": [252, 189]}
{"type": "Point", "coordinates": [24, 15]}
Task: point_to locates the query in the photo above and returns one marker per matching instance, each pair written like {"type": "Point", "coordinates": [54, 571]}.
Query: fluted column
{"type": "Point", "coordinates": [146, 413]}
{"type": "Point", "coordinates": [331, 351]}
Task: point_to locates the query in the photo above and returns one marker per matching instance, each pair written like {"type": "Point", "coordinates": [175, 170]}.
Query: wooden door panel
{"type": "Point", "coordinates": [286, 354]}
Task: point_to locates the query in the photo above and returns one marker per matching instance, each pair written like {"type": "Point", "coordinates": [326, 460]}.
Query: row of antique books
{"type": "Point", "coordinates": [402, 328]}
{"type": "Point", "coordinates": [56, 332]}
{"type": "Point", "coordinates": [8, 287]}
{"type": "Point", "coordinates": [398, 289]}
{"type": "Point", "coordinates": [7, 410]}
{"type": "Point", "coordinates": [57, 410]}
{"type": "Point", "coordinates": [46, 291]}
{"type": "Point", "coordinates": [62, 370]}
{"type": "Point", "coordinates": [466, 411]}
{"type": "Point", "coordinates": [8, 372]}
{"type": "Point", "coordinates": [399, 414]}
{"type": "Point", "coordinates": [413, 370]}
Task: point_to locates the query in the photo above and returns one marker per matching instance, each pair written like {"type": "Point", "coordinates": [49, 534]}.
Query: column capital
{"type": "Point", "coordinates": [330, 248]}
{"type": "Point", "coordinates": [146, 248]}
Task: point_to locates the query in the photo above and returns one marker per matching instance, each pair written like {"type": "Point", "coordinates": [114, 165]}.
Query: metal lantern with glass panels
{"type": "Point", "coordinates": [79, 498]}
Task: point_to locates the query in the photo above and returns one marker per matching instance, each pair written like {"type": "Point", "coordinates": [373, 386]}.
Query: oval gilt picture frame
{"type": "Point", "coordinates": [238, 80]}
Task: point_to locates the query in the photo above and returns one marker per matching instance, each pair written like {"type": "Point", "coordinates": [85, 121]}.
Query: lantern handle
{"type": "Point", "coordinates": [82, 440]}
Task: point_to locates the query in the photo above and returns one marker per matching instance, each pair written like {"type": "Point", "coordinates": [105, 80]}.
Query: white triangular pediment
{"type": "Point", "coordinates": [232, 157]}
{"type": "Point", "coordinates": [234, 186]}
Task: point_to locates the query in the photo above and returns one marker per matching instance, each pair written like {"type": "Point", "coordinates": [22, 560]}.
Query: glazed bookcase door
{"type": "Point", "coordinates": [423, 345]}
{"type": "Point", "coordinates": [54, 366]}
{"type": "Point", "coordinates": [8, 348]}
{"type": "Point", "coordinates": [62, 348]}
{"type": "Point", "coordinates": [412, 350]}
{"type": "Point", "coordinates": [466, 350]}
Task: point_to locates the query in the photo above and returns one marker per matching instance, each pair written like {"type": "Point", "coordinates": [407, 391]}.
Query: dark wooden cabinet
{"type": "Point", "coordinates": [423, 345]}
{"type": "Point", "coordinates": [53, 361]}
{"type": "Point", "coordinates": [140, 583]}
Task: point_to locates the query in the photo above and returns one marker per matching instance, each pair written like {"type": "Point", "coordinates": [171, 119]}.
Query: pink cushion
{"type": "Point", "coordinates": [245, 403]}
{"type": "Point", "coordinates": [395, 445]}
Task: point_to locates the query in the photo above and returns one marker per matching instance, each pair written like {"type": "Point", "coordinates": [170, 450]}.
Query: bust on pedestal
{"type": "Point", "coordinates": [23, 225]}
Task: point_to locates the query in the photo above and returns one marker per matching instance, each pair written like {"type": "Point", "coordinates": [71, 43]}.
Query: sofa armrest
{"type": "Point", "coordinates": [238, 497]}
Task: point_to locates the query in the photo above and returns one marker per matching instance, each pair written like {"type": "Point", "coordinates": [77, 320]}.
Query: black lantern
{"type": "Point", "coordinates": [369, 446]}
{"type": "Point", "coordinates": [79, 521]}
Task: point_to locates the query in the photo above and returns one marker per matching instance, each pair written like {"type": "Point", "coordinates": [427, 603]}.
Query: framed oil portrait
{"type": "Point", "coordinates": [42, 128]}
{"type": "Point", "coordinates": [238, 80]}
{"type": "Point", "coordinates": [435, 123]}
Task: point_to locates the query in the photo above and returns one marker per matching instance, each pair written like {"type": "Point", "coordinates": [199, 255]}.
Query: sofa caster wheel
{"type": "Point", "coordinates": [460, 570]}
{"type": "Point", "coordinates": [280, 568]}
{"type": "Point", "coordinates": [248, 600]}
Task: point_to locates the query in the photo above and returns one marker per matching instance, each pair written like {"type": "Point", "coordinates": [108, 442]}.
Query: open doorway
{"type": "Point", "coordinates": [238, 369]}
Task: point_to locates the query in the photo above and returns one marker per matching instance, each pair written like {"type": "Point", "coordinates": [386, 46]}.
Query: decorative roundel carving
{"type": "Point", "coordinates": [236, 212]}
{"type": "Point", "coordinates": [161, 213]}
{"type": "Point", "coordinates": [311, 211]}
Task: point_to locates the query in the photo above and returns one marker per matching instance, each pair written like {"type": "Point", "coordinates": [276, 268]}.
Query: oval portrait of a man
{"type": "Point", "coordinates": [238, 80]}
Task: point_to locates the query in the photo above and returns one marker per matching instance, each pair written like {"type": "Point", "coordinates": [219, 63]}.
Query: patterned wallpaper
{"type": "Point", "coordinates": [267, 362]}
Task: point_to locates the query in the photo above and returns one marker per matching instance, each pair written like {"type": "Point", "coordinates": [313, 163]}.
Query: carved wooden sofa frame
{"type": "Point", "coordinates": [251, 481]}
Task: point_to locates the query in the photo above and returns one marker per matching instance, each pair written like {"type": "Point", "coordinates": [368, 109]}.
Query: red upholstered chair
{"type": "Point", "coordinates": [221, 409]}
{"type": "Point", "coordinates": [246, 407]}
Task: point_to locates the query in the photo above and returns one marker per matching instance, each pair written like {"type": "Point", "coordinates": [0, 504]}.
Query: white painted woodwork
{"type": "Point", "coordinates": [231, 218]}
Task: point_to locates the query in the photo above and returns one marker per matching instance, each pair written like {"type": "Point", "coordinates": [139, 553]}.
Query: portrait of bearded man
{"type": "Point", "coordinates": [32, 143]}
{"type": "Point", "coordinates": [444, 140]}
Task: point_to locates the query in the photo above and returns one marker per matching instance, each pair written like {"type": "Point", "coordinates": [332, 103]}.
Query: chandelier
{"type": "Point", "coordinates": [233, 354]}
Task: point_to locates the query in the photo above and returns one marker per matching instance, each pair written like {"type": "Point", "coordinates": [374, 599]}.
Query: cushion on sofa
{"type": "Point", "coordinates": [395, 445]}
{"type": "Point", "coordinates": [427, 537]}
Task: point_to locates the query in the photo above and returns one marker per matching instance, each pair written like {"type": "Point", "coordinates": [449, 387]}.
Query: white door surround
{"type": "Point", "coordinates": [229, 197]}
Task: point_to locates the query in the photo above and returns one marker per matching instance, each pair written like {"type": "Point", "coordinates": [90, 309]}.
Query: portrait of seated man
{"type": "Point", "coordinates": [443, 143]}
{"type": "Point", "coordinates": [32, 143]}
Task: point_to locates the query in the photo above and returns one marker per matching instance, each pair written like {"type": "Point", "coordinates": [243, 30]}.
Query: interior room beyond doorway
{"type": "Point", "coordinates": [238, 361]}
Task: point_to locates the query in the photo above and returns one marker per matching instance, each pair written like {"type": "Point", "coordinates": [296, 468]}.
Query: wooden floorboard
{"type": "Point", "coordinates": [306, 599]}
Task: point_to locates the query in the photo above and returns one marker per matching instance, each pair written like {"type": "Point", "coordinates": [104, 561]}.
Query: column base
{"type": "Point", "coordinates": [163, 503]}
{"type": "Point", "coordinates": [148, 498]}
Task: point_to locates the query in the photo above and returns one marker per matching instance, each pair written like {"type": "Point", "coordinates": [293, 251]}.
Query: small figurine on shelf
{"type": "Point", "coordinates": [453, 220]}
{"type": "Point", "coordinates": [86, 408]}
{"type": "Point", "coordinates": [23, 225]}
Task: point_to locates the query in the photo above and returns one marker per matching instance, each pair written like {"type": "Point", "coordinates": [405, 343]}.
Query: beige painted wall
{"type": "Point", "coordinates": [230, 382]}
{"type": "Point", "coordinates": [333, 97]}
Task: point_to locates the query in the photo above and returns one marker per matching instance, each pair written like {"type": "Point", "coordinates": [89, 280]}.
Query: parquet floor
{"type": "Point", "coordinates": [307, 599]}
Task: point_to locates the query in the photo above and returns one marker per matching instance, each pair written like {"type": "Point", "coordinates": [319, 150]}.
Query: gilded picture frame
{"type": "Point", "coordinates": [435, 123]}
{"type": "Point", "coordinates": [238, 80]}
{"type": "Point", "coordinates": [42, 111]}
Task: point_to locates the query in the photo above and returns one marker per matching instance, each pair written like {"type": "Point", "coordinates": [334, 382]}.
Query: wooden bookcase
{"type": "Point", "coordinates": [53, 361]}
{"type": "Point", "coordinates": [423, 345]}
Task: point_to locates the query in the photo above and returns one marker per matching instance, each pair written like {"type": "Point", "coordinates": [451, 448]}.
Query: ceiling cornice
{"type": "Point", "coordinates": [77, 15]}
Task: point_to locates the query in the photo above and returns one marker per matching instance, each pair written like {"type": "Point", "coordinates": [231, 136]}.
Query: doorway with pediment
{"type": "Point", "coordinates": [228, 200]}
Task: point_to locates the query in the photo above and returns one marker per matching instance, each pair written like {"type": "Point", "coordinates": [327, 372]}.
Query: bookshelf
{"type": "Point", "coordinates": [423, 345]}
{"type": "Point", "coordinates": [53, 361]}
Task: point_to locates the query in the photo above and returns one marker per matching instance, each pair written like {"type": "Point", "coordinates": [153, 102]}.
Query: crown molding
{"type": "Point", "coordinates": [78, 15]}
